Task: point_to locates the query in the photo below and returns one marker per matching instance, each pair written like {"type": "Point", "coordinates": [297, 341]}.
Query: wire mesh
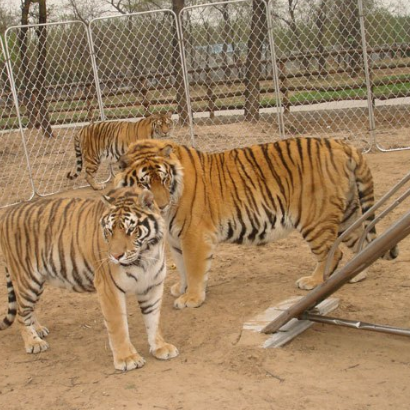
{"type": "Point", "coordinates": [139, 67]}
{"type": "Point", "coordinates": [229, 67]}
{"type": "Point", "coordinates": [54, 78]}
{"type": "Point", "coordinates": [388, 45]}
{"type": "Point", "coordinates": [232, 73]}
{"type": "Point", "coordinates": [15, 181]}
{"type": "Point", "coordinates": [321, 70]}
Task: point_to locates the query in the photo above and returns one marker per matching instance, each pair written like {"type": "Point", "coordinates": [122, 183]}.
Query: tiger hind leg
{"type": "Point", "coordinates": [91, 169]}
{"type": "Point", "coordinates": [310, 282]}
{"type": "Point", "coordinates": [320, 236]}
{"type": "Point", "coordinates": [32, 331]}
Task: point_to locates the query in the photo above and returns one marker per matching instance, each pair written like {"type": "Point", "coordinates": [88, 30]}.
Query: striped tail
{"type": "Point", "coordinates": [12, 308]}
{"type": "Point", "coordinates": [79, 157]}
{"type": "Point", "coordinates": [364, 183]}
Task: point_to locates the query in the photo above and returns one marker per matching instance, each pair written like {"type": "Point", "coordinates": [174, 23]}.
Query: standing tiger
{"type": "Point", "coordinates": [252, 195]}
{"type": "Point", "coordinates": [115, 247]}
{"type": "Point", "coordinates": [110, 140]}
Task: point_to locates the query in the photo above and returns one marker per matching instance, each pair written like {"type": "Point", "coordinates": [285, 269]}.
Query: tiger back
{"type": "Point", "coordinates": [253, 195]}
{"type": "Point", "coordinates": [115, 247]}
{"type": "Point", "coordinates": [111, 139]}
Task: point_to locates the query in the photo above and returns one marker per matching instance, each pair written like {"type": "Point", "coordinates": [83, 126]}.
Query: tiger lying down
{"type": "Point", "coordinates": [115, 248]}
{"type": "Point", "coordinates": [110, 139]}
{"type": "Point", "coordinates": [252, 195]}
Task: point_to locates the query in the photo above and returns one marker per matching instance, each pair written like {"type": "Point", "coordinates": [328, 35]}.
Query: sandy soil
{"type": "Point", "coordinates": [220, 367]}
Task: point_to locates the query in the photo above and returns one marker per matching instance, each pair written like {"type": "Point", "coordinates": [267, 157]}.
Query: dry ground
{"type": "Point", "coordinates": [324, 368]}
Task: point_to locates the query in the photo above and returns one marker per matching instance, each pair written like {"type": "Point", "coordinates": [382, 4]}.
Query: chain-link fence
{"type": "Point", "coordinates": [232, 73]}
{"type": "Point", "coordinates": [15, 178]}
{"type": "Point", "coordinates": [55, 87]}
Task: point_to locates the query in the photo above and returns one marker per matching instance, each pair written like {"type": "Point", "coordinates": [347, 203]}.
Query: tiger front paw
{"type": "Point", "coordinates": [165, 352]}
{"type": "Point", "coordinates": [188, 300]}
{"type": "Point", "coordinates": [133, 361]}
{"type": "Point", "coordinates": [36, 346]}
{"type": "Point", "coordinates": [308, 282]}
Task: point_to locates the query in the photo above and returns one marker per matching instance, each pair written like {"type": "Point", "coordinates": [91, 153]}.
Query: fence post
{"type": "Point", "coordinates": [370, 98]}
{"type": "Point", "coordinates": [95, 69]}
{"type": "Point", "coordinates": [275, 71]}
{"type": "Point", "coordinates": [180, 35]}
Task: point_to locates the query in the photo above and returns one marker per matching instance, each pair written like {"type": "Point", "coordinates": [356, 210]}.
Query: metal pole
{"type": "Point", "coordinates": [355, 324]}
{"type": "Point", "coordinates": [359, 222]}
{"type": "Point", "coordinates": [372, 122]}
{"type": "Point", "coordinates": [180, 35]}
{"type": "Point", "coordinates": [362, 260]}
{"type": "Point", "coordinates": [275, 72]}
{"type": "Point", "coordinates": [95, 69]}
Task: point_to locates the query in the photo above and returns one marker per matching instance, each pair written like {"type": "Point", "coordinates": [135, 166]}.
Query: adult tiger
{"type": "Point", "coordinates": [115, 248]}
{"type": "Point", "coordinates": [252, 195]}
{"type": "Point", "coordinates": [110, 140]}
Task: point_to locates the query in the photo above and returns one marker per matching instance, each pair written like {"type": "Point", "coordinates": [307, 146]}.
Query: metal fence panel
{"type": "Point", "coordinates": [229, 67]}
{"type": "Point", "coordinates": [321, 71]}
{"type": "Point", "coordinates": [388, 47]}
{"type": "Point", "coordinates": [54, 78]}
{"type": "Point", "coordinates": [139, 67]}
{"type": "Point", "coordinates": [15, 181]}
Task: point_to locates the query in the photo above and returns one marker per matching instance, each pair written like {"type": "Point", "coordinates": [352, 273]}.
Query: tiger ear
{"type": "Point", "coordinates": [166, 151]}
{"type": "Point", "coordinates": [146, 199]}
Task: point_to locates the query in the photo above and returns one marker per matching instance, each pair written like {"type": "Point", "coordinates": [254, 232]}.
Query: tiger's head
{"type": "Point", "coordinates": [132, 225]}
{"type": "Point", "coordinates": [153, 165]}
{"type": "Point", "coordinates": [162, 125]}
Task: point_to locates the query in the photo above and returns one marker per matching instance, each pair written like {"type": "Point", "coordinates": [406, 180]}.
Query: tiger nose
{"type": "Point", "coordinates": [117, 256]}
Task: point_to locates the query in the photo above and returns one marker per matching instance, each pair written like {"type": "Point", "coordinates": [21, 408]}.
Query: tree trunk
{"type": "Point", "coordinates": [350, 33]}
{"type": "Point", "coordinates": [320, 24]}
{"type": "Point", "coordinates": [29, 97]}
{"type": "Point", "coordinates": [42, 71]}
{"type": "Point", "coordinates": [253, 60]}
{"type": "Point", "coordinates": [177, 6]}
{"type": "Point", "coordinates": [227, 40]}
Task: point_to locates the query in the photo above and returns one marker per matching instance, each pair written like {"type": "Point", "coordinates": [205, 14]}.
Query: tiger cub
{"type": "Point", "coordinates": [114, 247]}
{"type": "Point", "coordinates": [110, 140]}
{"type": "Point", "coordinates": [252, 195]}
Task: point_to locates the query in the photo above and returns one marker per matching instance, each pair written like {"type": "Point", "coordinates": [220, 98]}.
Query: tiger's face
{"type": "Point", "coordinates": [131, 226]}
{"type": "Point", "coordinates": [160, 173]}
{"type": "Point", "coordinates": [162, 125]}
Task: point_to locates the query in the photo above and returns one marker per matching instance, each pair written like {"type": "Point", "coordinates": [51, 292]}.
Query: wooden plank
{"type": "Point", "coordinates": [291, 329]}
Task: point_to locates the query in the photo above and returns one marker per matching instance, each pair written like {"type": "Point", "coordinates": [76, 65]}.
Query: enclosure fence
{"type": "Point", "coordinates": [232, 73]}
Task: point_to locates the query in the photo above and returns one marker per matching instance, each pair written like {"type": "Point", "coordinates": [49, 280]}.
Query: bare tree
{"type": "Point", "coordinates": [349, 30]}
{"type": "Point", "coordinates": [320, 21]}
{"type": "Point", "coordinates": [253, 60]}
{"type": "Point", "coordinates": [35, 98]}
{"type": "Point", "coordinates": [292, 6]}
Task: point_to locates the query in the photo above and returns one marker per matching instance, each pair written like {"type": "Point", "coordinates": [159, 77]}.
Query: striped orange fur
{"type": "Point", "coordinates": [115, 248]}
{"type": "Point", "coordinates": [110, 139]}
{"type": "Point", "coordinates": [252, 195]}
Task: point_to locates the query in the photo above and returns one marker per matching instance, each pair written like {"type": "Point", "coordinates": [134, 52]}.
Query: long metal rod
{"type": "Point", "coordinates": [356, 324]}
{"type": "Point", "coordinates": [275, 73]}
{"type": "Point", "coordinates": [94, 65]}
{"type": "Point", "coordinates": [372, 121]}
{"type": "Point", "coordinates": [362, 260]}
{"type": "Point", "coordinates": [359, 222]}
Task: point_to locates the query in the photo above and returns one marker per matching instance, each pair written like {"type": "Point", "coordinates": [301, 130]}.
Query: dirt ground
{"type": "Point", "coordinates": [326, 367]}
